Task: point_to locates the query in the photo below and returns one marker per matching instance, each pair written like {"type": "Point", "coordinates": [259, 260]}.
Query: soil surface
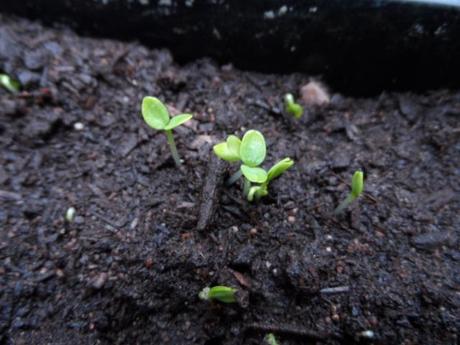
{"type": "Point", "coordinates": [129, 268]}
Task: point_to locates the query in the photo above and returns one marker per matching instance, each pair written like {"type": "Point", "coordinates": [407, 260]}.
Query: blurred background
{"type": "Point", "coordinates": [361, 46]}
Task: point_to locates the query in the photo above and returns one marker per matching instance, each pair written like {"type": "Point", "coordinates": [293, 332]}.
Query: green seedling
{"type": "Point", "coordinates": [9, 83]}
{"type": "Point", "coordinates": [270, 339]}
{"type": "Point", "coordinates": [156, 115]}
{"type": "Point", "coordinates": [258, 191]}
{"type": "Point", "coordinates": [222, 294]}
{"type": "Point", "coordinates": [251, 151]}
{"type": "Point", "coordinates": [291, 107]}
{"type": "Point", "coordinates": [357, 187]}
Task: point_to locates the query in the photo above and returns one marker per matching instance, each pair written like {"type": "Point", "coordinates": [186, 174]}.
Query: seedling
{"type": "Point", "coordinates": [222, 294]}
{"type": "Point", "coordinates": [251, 151]}
{"type": "Point", "coordinates": [357, 187]}
{"type": "Point", "coordinates": [9, 83]}
{"type": "Point", "coordinates": [261, 190]}
{"type": "Point", "coordinates": [270, 339]}
{"type": "Point", "coordinates": [230, 151]}
{"type": "Point", "coordinates": [156, 115]}
{"type": "Point", "coordinates": [291, 107]}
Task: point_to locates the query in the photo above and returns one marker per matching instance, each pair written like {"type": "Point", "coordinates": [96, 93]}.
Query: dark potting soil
{"type": "Point", "coordinates": [129, 268]}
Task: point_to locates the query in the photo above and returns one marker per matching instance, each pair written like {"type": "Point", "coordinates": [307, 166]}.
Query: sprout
{"type": "Point", "coordinates": [261, 190]}
{"type": "Point", "coordinates": [223, 294]}
{"type": "Point", "coordinates": [156, 115]}
{"type": "Point", "coordinates": [270, 339]}
{"type": "Point", "coordinates": [357, 187]}
{"type": "Point", "coordinates": [291, 107]}
{"type": "Point", "coordinates": [251, 151]}
{"type": "Point", "coordinates": [70, 214]}
{"type": "Point", "coordinates": [9, 83]}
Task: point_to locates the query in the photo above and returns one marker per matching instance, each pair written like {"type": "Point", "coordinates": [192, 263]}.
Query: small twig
{"type": "Point", "coordinates": [293, 331]}
{"type": "Point", "coordinates": [116, 224]}
{"type": "Point", "coordinates": [334, 290]}
{"type": "Point", "coordinates": [209, 194]}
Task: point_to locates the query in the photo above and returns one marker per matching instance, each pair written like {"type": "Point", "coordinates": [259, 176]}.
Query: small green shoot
{"type": "Point", "coordinates": [270, 339]}
{"type": "Point", "coordinates": [291, 107]}
{"type": "Point", "coordinates": [9, 83]}
{"type": "Point", "coordinates": [156, 115]}
{"type": "Point", "coordinates": [258, 191]}
{"type": "Point", "coordinates": [222, 294]}
{"type": "Point", "coordinates": [357, 187]}
{"type": "Point", "coordinates": [251, 151]}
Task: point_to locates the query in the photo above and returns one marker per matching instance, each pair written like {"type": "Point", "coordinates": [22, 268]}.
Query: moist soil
{"type": "Point", "coordinates": [129, 268]}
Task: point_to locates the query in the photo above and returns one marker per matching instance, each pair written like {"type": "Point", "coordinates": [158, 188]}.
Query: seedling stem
{"type": "Point", "coordinates": [172, 146]}
{"type": "Point", "coordinates": [246, 187]}
{"type": "Point", "coordinates": [235, 177]}
{"type": "Point", "coordinates": [357, 187]}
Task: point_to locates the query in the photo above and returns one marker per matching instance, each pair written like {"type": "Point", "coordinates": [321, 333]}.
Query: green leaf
{"type": "Point", "coordinates": [357, 184]}
{"type": "Point", "coordinates": [234, 144]}
{"type": "Point", "coordinates": [223, 294]}
{"type": "Point", "coordinates": [155, 113]}
{"type": "Point", "coordinates": [9, 83]}
{"type": "Point", "coordinates": [253, 148]}
{"type": "Point", "coordinates": [254, 174]}
{"type": "Point", "coordinates": [279, 168]}
{"type": "Point", "coordinates": [230, 150]}
{"type": "Point", "coordinates": [177, 121]}
{"type": "Point", "coordinates": [270, 339]}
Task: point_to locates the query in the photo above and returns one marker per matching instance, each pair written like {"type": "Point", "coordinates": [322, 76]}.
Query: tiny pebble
{"type": "Point", "coordinates": [253, 232]}
{"type": "Point", "coordinates": [70, 214]}
{"type": "Point", "coordinates": [78, 126]}
{"type": "Point", "coordinates": [148, 263]}
{"type": "Point", "coordinates": [291, 219]}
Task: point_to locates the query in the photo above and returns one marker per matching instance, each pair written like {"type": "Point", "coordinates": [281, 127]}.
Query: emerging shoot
{"type": "Point", "coordinates": [9, 83]}
{"type": "Point", "coordinates": [156, 115]}
{"type": "Point", "coordinates": [251, 151]}
{"type": "Point", "coordinates": [270, 339]}
{"type": "Point", "coordinates": [357, 187]}
{"type": "Point", "coordinates": [291, 107]}
{"type": "Point", "coordinates": [222, 294]}
{"type": "Point", "coordinates": [258, 191]}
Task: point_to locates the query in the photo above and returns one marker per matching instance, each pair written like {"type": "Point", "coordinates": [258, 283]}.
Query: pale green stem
{"type": "Point", "coordinates": [344, 204]}
{"type": "Point", "coordinates": [235, 177]}
{"type": "Point", "coordinates": [172, 146]}
{"type": "Point", "coordinates": [246, 187]}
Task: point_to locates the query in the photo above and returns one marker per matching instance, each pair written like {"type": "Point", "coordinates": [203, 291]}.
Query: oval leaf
{"type": "Point", "coordinates": [253, 148]}
{"type": "Point", "coordinates": [233, 145]}
{"type": "Point", "coordinates": [254, 174]}
{"type": "Point", "coordinates": [221, 150]}
{"type": "Point", "coordinates": [357, 183]}
{"type": "Point", "coordinates": [155, 113]}
{"type": "Point", "coordinates": [178, 120]}
{"type": "Point", "coordinates": [223, 294]}
{"type": "Point", "coordinates": [230, 150]}
{"type": "Point", "coordinates": [279, 168]}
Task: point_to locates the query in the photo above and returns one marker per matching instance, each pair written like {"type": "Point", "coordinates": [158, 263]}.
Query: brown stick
{"type": "Point", "coordinates": [210, 192]}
